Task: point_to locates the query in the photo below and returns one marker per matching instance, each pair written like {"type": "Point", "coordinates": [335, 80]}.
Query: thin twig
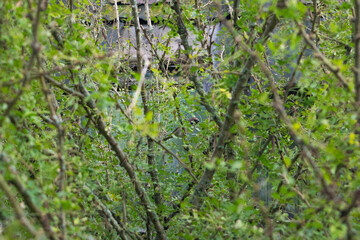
{"type": "Point", "coordinates": [188, 169]}
{"type": "Point", "coordinates": [196, 199]}
{"type": "Point", "coordinates": [91, 108]}
{"type": "Point", "coordinates": [334, 69]}
{"type": "Point", "coordinates": [139, 87]}
{"type": "Point", "coordinates": [120, 227]}
{"type": "Point", "coordinates": [41, 217]}
{"type": "Point", "coordinates": [19, 213]}
{"type": "Point", "coordinates": [193, 77]}
{"type": "Point", "coordinates": [56, 121]}
{"type": "Point", "coordinates": [296, 190]}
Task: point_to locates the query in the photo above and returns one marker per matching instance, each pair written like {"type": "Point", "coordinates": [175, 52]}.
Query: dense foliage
{"type": "Point", "coordinates": [97, 143]}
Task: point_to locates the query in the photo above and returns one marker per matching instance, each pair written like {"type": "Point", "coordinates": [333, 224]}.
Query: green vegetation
{"type": "Point", "coordinates": [204, 120]}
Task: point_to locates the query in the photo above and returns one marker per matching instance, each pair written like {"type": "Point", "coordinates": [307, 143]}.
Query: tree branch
{"type": "Point", "coordinates": [200, 189]}
{"type": "Point", "coordinates": [20, 215]}
{"type": "Point", "coordinates": [124, 162]}
{"type": "Point", "coordinates": [335, 70]}
{"type": "Point", "coordinates": [42, 218]}
{"type": "Point", "coordinates": [182, 31]}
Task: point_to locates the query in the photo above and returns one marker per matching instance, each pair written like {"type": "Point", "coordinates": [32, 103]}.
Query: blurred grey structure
{"type": "Point", "coordinates": [154, 37]}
